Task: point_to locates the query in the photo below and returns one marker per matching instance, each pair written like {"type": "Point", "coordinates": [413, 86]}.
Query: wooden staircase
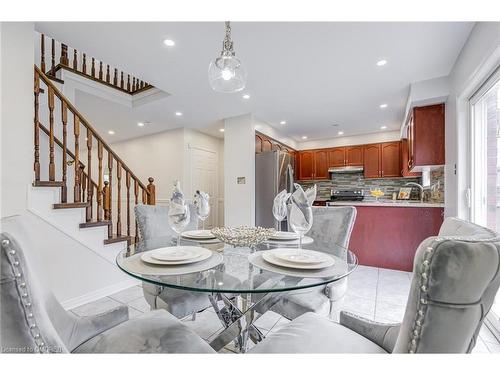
{"type": "Point", "coordinates": [99, 175]}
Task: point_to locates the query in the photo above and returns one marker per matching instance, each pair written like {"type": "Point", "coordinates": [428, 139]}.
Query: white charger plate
{"type": "Point", "coordinates": [177, 253]}
{"type": "Point", "coordinates": [301, 256]}
{"type": "Point", "coordinates": [198, 234]}
{"type": "Point", "coordinates": [269, 257]}
{"type": "Point", "coordinates": [284, 236]}
{"type": "Point", "coordinates": [148, 258]}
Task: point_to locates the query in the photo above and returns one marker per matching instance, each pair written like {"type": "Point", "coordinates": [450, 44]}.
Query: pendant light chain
{"type": "Point", "coordinates": [227, 44]}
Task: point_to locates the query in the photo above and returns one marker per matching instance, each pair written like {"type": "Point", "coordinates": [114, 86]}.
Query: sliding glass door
{"type": "Point", "coordinates": [485, 165]}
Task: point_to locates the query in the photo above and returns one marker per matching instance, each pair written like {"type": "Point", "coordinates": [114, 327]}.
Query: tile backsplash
{"type": "Point", "coordinates": [389, 185]}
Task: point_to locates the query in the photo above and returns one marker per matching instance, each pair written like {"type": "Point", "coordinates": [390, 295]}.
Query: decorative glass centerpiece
{"type": "Point", "coordinates": [377, 193]}
{"type": "Point", "coordinates": [243, 236]}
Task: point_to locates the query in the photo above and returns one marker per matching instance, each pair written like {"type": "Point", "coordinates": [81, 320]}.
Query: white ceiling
{"type": "Point", "coordinates": [312, 75]}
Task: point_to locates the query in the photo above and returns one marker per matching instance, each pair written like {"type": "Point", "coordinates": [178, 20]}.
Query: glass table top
{"type": "Point", "coordinates": [235, 273]}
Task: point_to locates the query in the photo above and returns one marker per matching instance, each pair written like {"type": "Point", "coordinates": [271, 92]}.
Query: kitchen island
{"type": "Point", "coordinates": [387, 233]}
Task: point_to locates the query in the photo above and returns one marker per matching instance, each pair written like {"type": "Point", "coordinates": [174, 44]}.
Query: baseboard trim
{"type": "Point", "coordinates": [97, 294]}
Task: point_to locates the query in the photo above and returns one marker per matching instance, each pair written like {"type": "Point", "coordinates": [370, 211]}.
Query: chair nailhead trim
{"type": "Point", "coordinates": [21, 284]}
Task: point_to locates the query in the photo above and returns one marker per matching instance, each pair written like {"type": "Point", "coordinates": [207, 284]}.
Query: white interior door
{"type": "Point", "coordinates": [204, 177]}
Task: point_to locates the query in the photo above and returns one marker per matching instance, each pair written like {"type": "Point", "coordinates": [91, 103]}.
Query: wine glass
{"type": "Point", "coordinates": [301, 220]}
{"type": "Point", "coordinates": [178, 218]}
{"type": "Point", "coordinates": [201, 202]}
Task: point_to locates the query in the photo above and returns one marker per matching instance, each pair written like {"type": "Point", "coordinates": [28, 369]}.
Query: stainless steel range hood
{"type": "Point", "coordinates": [346, 169]}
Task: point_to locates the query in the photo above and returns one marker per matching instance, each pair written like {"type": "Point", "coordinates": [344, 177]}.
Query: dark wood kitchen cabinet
{"type": "Point", "coordinates": [354, 155]}
{"type": "Point", "coordinates": [321, 165]}
{"type": "Point", "coordinates": [382, 160]}
{"type": "Point", "coordinates": [405, 170]}
{"type": "Point", "coordinates": [336, 157]}
{"type": "Point", "coordinates": [426, 137]}
{"type": "Point", "coordinates": [306, 165]}
{"type": "Point", "coordinates": [313, 165]}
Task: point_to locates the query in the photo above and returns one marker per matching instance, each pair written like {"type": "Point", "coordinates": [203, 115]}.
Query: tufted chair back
{"type": "Point", "coordinates": [32, 320]}
{"type": "Point", "coordinates": [153, 221]}
{"type": "Point", "coordinates": [455, 279]}
{"type": "Point", "coordinates": [331, 225]}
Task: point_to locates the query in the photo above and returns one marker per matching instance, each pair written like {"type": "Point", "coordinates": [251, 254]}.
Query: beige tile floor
{"type": "Point", "coordinates": [375, 293]}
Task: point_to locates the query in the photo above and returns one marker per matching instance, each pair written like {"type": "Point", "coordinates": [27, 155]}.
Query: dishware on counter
{"type": "Point", "coordinates": [176, 255]}
{"type": "Point", "coordinates": [301, 215]}
{"type": "Point", "coordinates": [303, 259]}
{"type": "Point", "coordinates": [202, 204]}
{"type": "Point", "coordinates": [243, 236]}
{"type": "Point", "coordinates": [377, 193]}
{"type": "Point", "coordinates": [178, 212]}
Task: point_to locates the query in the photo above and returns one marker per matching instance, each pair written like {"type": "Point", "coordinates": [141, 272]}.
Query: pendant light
{"type": "Point", "coordinates": [226, 73]}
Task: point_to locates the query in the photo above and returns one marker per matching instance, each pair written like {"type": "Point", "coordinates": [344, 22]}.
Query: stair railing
{"type": "Point", "coordinates": [88, 67]}
{"type": "Point", "coordinates": [96, 197]}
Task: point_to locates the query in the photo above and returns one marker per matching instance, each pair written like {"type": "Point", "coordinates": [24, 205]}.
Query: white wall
{"type": "Point", "coordinates": [361, 139]}
{"type": "Point", "coordinates": [477, 60]}
{"type": "Point", "coordinates": [239, 161]}
{"type": "Point", "coordinates": [16, 115]}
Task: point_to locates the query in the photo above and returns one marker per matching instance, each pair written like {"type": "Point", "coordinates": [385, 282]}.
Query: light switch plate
{"type": "Point", "coordinates": [241, 180]}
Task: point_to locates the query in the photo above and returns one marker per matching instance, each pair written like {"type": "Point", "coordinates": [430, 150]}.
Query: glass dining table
{"type": "Point", "coordinates": [240, 285]}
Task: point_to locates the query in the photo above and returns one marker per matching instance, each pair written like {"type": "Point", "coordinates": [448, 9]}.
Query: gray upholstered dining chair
{"type": "Point", "coordinates": [32, 320]}
{"type": "Point", "coordinates": [153, 223]}
{"type": "Point", "coordinates": [331, 226]}
{"type": "Point", "coordinates": [456, 276]}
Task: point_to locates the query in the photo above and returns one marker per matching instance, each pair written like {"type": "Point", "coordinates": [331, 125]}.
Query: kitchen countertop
{"type": "Point", "coordinates": [387, 203]}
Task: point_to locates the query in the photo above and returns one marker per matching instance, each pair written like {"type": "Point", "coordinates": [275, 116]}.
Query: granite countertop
{"type": "Point", "coordinates": [386, 203]}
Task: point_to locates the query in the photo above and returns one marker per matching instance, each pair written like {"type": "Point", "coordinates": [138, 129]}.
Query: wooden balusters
{"type": "Point", "coordinates": [52, 166]}
{"type": "Point", "coordinates": [83, 182]}
{"type": "Point", "coordinates": [151, 190]}
{"type": "Point", "coordinates": [76, 188]}
{"type": "Point", "coordinates": [90, 188]}
{"type": "Point", "coordinates": [133, 84]}
{"type": "Point", "coordinates": [115, 77]}
{"type": "Point", "coordinates": [108, 77]}
{"type": "Point", "coordinates": [106, 201]}
{"type": "Point", "coordinates": [42, 45]}
{"type": "Point", "coordinates": [100, 70]}
{"type": "Point", "coordinates": [128, 82]}
{"type": "Point", "coordinates": [121, 81]}
{"type": "Point", "coordinates": [36, 164]}
{"type": "Point", "coordinates": [64, 120]}
{"type": "Point", "coordinates": [75, 59]}
{"type": "Point", "coordinates": [63, 60]}
{"type": "Point", "coordinates": [119, 200]}
{"type": "Point", "coordinates": [136, 194]}
{"type": "Point", "coordinates": [110, 193]}
{"type": "Point", "coordinates": [99, 186]}
{"type": "Point", "coordinates": [53, 58]}
{"type": "Point", "coordinates": [84, 64]}
{"type": "Point", "coordinates": [127, 184]}
{"type": "Point", "coordinates": [92, 69]}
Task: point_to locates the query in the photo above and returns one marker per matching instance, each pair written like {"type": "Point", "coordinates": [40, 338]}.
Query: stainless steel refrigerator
{"type": "Point", "coordinates": [273, 173]}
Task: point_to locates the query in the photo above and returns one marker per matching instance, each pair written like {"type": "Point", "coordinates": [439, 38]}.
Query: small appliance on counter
{"type": "Point", "coordinates": [346, 195]}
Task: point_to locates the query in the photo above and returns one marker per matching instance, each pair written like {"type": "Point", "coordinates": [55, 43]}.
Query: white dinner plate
{"type": "Point", "coordinates": [284, 236]}
{"type": "Point", "coordinates": [177, 253]}
{"type": "Point", "coordinates": [301, 256]}
{"type": "Point", "coordinates": [198, 234]}
{"type": "Point", "coordinates": [148, 258]}
{"type": "Point", "coordinates": [269, 257]}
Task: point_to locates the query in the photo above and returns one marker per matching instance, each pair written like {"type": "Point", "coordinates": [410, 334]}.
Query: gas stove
{"type": "Point", "coordinates": [346, 195]}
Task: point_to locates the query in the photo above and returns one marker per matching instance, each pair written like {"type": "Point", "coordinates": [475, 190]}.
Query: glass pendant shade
{"type": "Point", "coordinates": [226, 73]}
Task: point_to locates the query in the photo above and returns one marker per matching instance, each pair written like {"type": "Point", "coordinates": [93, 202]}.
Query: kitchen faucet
{"type": "Point", "coordinates": [420, 187]}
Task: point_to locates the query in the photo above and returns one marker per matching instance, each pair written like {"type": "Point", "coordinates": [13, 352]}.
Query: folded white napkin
{"type": "Point", "coordinates": [202, 203]}
{"type": "Point", "coordinates": [304, 198]}
{"type": "Point", "coordinates": [279, 205]}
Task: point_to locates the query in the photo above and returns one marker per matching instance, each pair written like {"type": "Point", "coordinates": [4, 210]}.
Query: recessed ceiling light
{"type": "Point", "coordinates": [381, 62]}
{"type": "Point", "coordinates": [340, 133]}
{"type": "Point", "coordinates": [169, 42]}
{"type": "Point", "coordinates": [111, 132]}
{"type": "Point", "coordinates": [246, 96]}
{"type": "Point", "coordinates": [304, 137]}
{"type": "Point", "coordinates": [140, 124]}
{"type": "Point", "coordinates": [178, 113]}
{"type": "Point", "coordinates": [383, 127]}
{"type": "Point", "coordinates": [221, 130]}
{"type": "Point", "coordinates": [383, 105]}
{"type": "Point", "coordinates": [282, 122]}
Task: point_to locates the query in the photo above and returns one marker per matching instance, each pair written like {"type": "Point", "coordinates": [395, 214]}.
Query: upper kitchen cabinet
{"type": "Point", "coordinates": [382, 160]}
{"type": "Point", "coordinates": [405, 171]}
{"type": "Point", "coordinates": [336, 157]}
{"type": "Point", "coordinates": [313, 165]}
{"type": "Point", "coordinates": [342, 156]}
{"type": "Point", "coordinates": [426, 137]}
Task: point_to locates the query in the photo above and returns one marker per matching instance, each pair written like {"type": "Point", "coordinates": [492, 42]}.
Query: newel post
{"type": "Point", "coordinates": [152, 192]}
